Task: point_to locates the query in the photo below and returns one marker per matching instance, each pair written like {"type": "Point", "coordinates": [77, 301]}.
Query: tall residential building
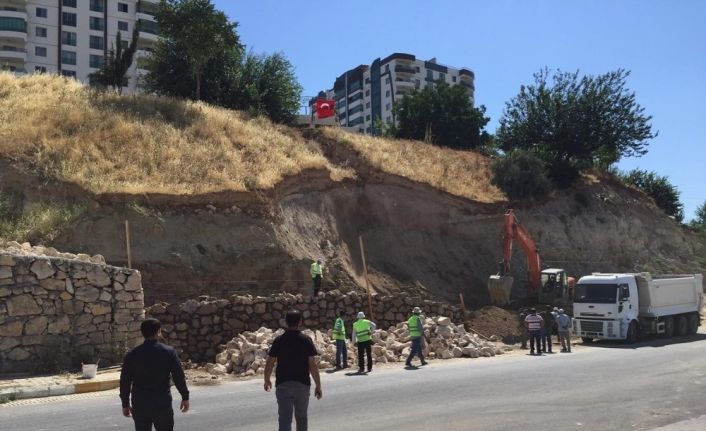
{"type": "Point", "coordinates": [71, 37]}
{"type": "Point", "coordinates": [368, 93]}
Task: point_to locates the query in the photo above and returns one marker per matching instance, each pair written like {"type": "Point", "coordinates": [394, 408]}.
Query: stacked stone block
{"type": "Point", "coordinates": [57, 312]}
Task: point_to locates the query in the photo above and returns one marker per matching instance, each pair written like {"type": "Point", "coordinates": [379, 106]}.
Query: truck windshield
{"type": "Point", "coordinates": [596, 293]}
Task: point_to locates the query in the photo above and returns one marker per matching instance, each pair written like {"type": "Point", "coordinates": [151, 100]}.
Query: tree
{"type": "Point", "coordinates": [520, 175]}
{"type": "Point", "coordinates": [699, 221]}
{"type": "Point", "coordinates": [198, 32]}
{"type": "Point", "coordinates": [664, 193]}
{"type": "Point", "coordinates": [573, 122]}
{"type": "Point", "coordinates": [442, 115]}
{"type": "Point", "coordinates": [266, 85]}
{"type": "Point", "coordinates": [116, 63]}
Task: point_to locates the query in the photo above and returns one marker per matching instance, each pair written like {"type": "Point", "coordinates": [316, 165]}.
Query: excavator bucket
{"type": "Point", "coordinates": [499, 288]}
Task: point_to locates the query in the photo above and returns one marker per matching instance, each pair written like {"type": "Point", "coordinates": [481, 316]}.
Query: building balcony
{"type": "Point", "coordinates": [13, 53]}
{"type": "Point", "coordinates": [146, 17]}
{"type": "Point", "coordinates": [468, 85]}
{"type": "Point", "coordinates": [14, 11]}
{"type": "Point", "coordinates": [409, 70]}
{"type": "Point", "coordinates": [13, 27]}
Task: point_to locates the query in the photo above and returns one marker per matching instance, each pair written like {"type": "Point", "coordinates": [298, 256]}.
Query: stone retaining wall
{"type": "Point", "coordinates": [197, 327]}
{"type": "Point", "coordinates": [58, 312]}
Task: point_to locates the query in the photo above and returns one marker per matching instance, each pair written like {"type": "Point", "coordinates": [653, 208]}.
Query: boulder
{"type": "Point", "coordinates": [87, 294]}
{"type": "Point", "coordinates": [42, 268]}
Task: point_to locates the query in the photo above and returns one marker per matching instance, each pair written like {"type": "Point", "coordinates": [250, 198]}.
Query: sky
{"type": "Point", "coordinates": [662, 44]}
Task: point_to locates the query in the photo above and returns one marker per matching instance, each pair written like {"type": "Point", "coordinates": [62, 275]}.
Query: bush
{"type": "Point", "coordinates": [37, 222]}
{"type": "Point", "coordinates": [664, 193]}
{"type": "Point", "coordinates": [521, 175]}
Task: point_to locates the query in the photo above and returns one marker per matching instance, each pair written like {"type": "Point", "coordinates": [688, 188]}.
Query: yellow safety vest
{"type": "Point", "coordinates": [362, 330]}
{"type": "Point", "coordinates": [414, 326]}
{"type": "Point", "coordinates": [339, 335]}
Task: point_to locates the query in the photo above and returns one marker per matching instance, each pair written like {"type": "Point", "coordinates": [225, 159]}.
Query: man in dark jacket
{"type": "Point", "coordinates": [145, 375]}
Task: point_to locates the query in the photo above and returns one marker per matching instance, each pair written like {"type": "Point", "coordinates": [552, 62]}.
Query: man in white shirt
{"type": "Point", "coordinates": [534, 324]}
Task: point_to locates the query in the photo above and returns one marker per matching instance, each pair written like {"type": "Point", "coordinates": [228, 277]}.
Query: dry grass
{"type": "Point", "coordinates": [139, 144]}
{"type": "Point", "coordinates": [461, 173]}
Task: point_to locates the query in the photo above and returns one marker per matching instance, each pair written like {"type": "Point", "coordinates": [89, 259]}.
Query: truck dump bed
{"type": "Point", "coordinates": [664, 295]}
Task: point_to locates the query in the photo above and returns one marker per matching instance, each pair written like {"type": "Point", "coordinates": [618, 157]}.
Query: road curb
{"type": "Point", "coordinates": [23, 393]}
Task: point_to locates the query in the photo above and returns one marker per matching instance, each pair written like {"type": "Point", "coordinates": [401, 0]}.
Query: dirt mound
{"type": "Point", "coordinates": [490, 320]}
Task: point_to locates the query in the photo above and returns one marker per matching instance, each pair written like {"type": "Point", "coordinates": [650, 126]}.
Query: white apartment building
{"type": "Point", "coordinates": [71, 37]}
{"type": "Point", "coordinates": [368, 93]}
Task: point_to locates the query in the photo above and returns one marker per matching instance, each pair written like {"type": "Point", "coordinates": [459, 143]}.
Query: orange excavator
{"type": "Point", "coordinates": [549, 286]}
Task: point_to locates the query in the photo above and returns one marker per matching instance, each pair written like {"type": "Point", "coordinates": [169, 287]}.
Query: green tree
{"type": "Point", "coordinates": [267, 85]}
{"type": "Point", "coordinates": [198, 32]}
{"type": "Point", "coordinates": [699, 221]}
{"type": "Point", "coordinates": [573, 122]}
{"type": "Point", "coordinates": [520, 175]}
{"type": "Point", "coordinates": [442, 115]}
{"type": "Point", "coordinates": [664, 193]}
{"type": "Point", "coordinates": [116, 63]}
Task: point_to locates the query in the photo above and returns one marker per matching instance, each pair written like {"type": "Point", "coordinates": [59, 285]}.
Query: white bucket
{"type": "Point", "coordinates": [89, 370]}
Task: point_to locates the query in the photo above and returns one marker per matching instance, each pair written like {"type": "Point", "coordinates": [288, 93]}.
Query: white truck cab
{"type": "Point", "coordinates": [625, 306]}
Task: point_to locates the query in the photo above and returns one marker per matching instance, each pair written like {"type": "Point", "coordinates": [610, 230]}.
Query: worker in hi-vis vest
{"type": "Point", "coordinates": [416, 332]}
{"type": "Point", "coordinates": [363, 336]}
{"type": "Point", "coordinates": [317, 272]}
{"type": "Point", "coordinates": [339, 336]}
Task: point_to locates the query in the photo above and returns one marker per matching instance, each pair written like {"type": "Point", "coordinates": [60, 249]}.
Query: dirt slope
{"type": "Point", "coordinates": [423, 231]}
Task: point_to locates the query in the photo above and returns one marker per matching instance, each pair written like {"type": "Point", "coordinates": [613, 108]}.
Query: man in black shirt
{"type": "Point", "coordinates": [295, 356]}
{"type": "Point", "coordinates": [145, 373]}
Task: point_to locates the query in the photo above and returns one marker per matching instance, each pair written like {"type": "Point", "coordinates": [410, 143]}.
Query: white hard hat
{"type": "Point", "coordinates": [361, 315]}
{"type": "Point", "coordinates": [561, 310]}
{"type": "Point", "coordinates": [417, 310]}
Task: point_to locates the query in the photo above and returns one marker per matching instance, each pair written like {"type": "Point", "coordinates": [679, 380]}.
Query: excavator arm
{"type": "Point", "coordinates": [514, 231]}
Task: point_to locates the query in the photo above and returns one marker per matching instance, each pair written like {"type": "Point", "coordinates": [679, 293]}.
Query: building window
{"type": "Point", "coordinates": [68, 57]}
{"type": "Point", "coordinates": [68, 38]}
{"type": "Point", "coordinates": [367, 92]}
{"type": "Point", "coordinates": [97, 42]}
{"type": "Point", "coordinates": [417, 84]}
{"type": "Point", "coordinates": [453, 78]}
{"type": "Point", "coordinates": [387, 80]}
{"type": "Point", "coordinates": [387, 107]}
{"type": "Point", "coordinates": [40, 69]}
{"type": "Point", "coordinates": [40, 51]}
{"type": "Point", "coordinates": [41, 12]}
{"type": "Point", "coordinates": [442, 77]}
{"type": "Point", "coordinates": [417, 68]}
{"type": "Point", "coordinates": [97, 23]}
{"type": "Point", "coordinates": [68, 19]}
{"type": "Point", "coordinates": [388, 120]}
{"type": "Point", "coordinates": [124, 43]}
{"type": "Point", "coordinates": [367, 117]}
{"type": "Point", "coordinates": [122, 7]}
{"type": "Point", "coordinates": [387, 68]}
{"type": "Point", "coordinates": [122, 25]}
{"type": "Point", "coordinates": [387, 93]}
{"type": "Point", "coordinates": [97, 5]}
{"type": "Point", "coordinates": [69, 73]}
{"type": "Point", "coordinates": [95, 61]}
{"type": "Point", "coordinates": [69, 3]}
{"type": "Point", "coordinates": [367, 105]}
{"type": "Point", "coordinates": [40, 32]}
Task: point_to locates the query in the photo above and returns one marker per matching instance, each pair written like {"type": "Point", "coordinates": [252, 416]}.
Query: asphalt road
{"type": "Point", "coordinates": [600, 387]}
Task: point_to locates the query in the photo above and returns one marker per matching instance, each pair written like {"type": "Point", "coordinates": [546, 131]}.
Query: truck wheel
{"type": "Point", "coordinates": [632, 333]}
{"type": "Point", "coordinates": [693, 323]}
{"type": "Point", "coordinates": [682, 326]}
{"type": "Point", "coordinates": [587, 339]}
{"type": "Point", "coordinates": [668, 327]}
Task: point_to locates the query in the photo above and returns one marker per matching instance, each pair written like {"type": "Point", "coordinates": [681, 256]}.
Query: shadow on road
{"type": "Point", "coordinates": [647, 342]}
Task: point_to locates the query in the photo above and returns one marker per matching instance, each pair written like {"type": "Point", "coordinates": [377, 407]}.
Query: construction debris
{"type": "Point", "coordinates": [245, 355]}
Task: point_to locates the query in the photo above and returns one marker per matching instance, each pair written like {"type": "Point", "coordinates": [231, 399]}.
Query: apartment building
{"type": "Point", "coordinates": [71, 37]}
{"type": "Point", "coordinates": [368, 93]}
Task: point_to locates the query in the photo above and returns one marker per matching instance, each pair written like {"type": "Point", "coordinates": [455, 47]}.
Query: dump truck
{"type": "Point", "coordinates": [630, 306]}
{"type": "Point", "coordinates": [551, 286]}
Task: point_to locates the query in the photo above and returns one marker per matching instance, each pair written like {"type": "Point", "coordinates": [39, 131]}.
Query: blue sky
{"type": "Point", "coordinates": [663, 44]}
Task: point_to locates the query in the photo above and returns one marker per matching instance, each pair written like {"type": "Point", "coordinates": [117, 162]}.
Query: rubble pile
{"type": "Point", "coordinates": [245, 355]}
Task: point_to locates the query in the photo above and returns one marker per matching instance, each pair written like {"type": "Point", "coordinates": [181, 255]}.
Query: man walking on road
{"type": "Point", "coordinates": [317, 273]}
{"type": "Point", "coordinates": [145, 375]}
{"type": "Point", "coordinates": [563, 323]}
{"type": "Point", "coordinates": [339, 336]}
{"type": "Point", "coordinates": [363, 336]}
{"type": "Point", "coordinates": [534, 324]}
{"type": "Point", "coordinates": [416, 331]}
{"type": "Point", "coordinates": [547, 326]}
{"type": "Point", "coordinates": [295, 356]}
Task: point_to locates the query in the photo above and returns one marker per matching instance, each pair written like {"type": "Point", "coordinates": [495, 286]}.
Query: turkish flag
{"type": "Point", "coordinates": [325, 108]}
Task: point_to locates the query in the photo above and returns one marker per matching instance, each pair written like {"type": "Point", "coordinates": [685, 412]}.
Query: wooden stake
{"type": "Point", "coordinates": [127, 244]}
{"type": "Point", "coordinates": [463, 307]}
{"type": "Point", "coordinates": [367, 283]}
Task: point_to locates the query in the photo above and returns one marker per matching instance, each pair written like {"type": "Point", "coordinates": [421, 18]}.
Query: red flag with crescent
{"type": "Point", "coordinates": [325, 108]}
